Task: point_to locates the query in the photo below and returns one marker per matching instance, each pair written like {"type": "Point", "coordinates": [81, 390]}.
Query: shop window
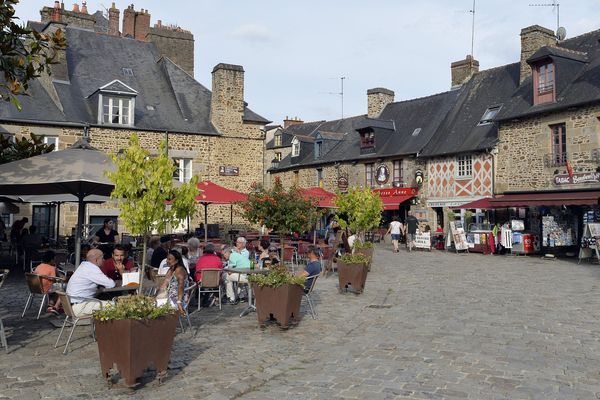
{"type": "Point", "coordinates": [464, 166]}
{"type": "Point", "coordinates": [543, 83]}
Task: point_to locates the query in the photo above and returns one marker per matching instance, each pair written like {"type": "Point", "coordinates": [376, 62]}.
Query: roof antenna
{"type": "Point", "coordinates": [472, 11]}
{"type": "Point", "coordinates": [340, 93]}
{"type": "Point", "coordinates": [560, 33]}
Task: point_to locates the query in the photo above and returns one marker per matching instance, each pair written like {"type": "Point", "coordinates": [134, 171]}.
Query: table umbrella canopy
{"type": "Point", "coordinates": [323, 198]}
{"type": "Point", "coordinates": [211, 193]}
{"type": "Point", "coordinates": [6, 207]}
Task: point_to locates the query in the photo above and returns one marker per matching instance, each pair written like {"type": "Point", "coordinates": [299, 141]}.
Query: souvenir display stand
{"type": "Point", "coordinates": [480, 239]}
{"type": "Point", "coordinates": [458, 236]}
{"type": "Point", "coordinates": [589, 242]}
{"type": "Point", "coordinates": [523, 242]}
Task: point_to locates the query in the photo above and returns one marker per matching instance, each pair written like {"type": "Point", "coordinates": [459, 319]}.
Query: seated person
{"type": "Point", "coordinates": [115, 266]}
{"type": "Point", "coordinates": [208, 260]}
{"type": "Point", "coordinates": [234, 260]}
{"type": "Point", "coordinates": [174, 288]}
{"type": "Point", "coordinates": [351, 240]}
{"type": "Point", "coordinates": [160, 253]}
{"type": "Point", "coordinates": [313, 267]}
{"type": "Point", "coordinates": [164, 267]}
{"type": "Point", "coordinates": [48, 268]}
{"type": "Point", "coordinates": [84, 283]}
{"type": "Point", "coordinates": [263, 252]}
{"type": "Point", "coordinates": [273, 259]}
{"type": "Point", "coordinates": [240, 247]}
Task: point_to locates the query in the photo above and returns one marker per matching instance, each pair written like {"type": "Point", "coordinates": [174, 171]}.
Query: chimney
{"type": "Point", "coordinates": [142, 25]}
{"type": "Point", "coordinates": [129, 21]}
{"type": "Point", "coordinates": [532, 39]}
{"type": "Point", "coordinates": [84, 7]}
{"type": "Point", "coordinates": [463, 70]}
{"type": "Point", "coordinates": [56, 12]}
{"type": "Point", "coordinates": [227, 102]}
{"type": "Point", "coordinates": [76, 7]}
{"type": "Point", "coordinates": [377, 99]}
{"type": "Point", "coordinates": [113, 20]}
{"type": "Point", "coordinates": [289, 122]}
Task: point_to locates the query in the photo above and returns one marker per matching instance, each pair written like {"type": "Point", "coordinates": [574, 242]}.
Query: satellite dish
{"type": "Point", "coordinates": [561, 33]}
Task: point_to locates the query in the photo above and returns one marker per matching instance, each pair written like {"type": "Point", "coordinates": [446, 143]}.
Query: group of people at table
{"type": "Point", "coordinates": [181, 266]}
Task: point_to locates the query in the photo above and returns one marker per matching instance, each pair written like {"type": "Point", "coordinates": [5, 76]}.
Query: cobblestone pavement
{"type": "Point", "coordinates": [429, 326]}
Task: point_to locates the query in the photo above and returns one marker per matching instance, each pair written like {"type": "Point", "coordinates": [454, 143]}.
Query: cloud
{"type": "Point", "coordinates": [252, 33]}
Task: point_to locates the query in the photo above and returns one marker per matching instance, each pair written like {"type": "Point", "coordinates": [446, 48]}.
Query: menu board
{"type": "Point", "coordinates": [458, 236]}
{"type": "Point", "coordinates": [423, 240]}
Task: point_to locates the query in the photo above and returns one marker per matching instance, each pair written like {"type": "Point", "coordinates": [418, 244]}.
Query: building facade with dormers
{"type": "Point", "coordinates": [111, 83]}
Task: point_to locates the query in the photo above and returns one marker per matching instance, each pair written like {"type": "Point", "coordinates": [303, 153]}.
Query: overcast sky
{"type": "Point", "coordinates": [295, 52]}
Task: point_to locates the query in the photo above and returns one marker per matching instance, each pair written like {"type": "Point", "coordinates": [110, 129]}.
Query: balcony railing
{"type": "Point", "coordinates": [555, 159]}
{"type": "Point", "coordinates": [545, 88]}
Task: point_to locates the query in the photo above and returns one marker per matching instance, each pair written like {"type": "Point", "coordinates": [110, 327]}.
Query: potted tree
{"type": "Point", "coordinates": [352, 272]}
{"type": "Point", "coordinates": [135, 334]}
{"type": "Point", "coordinates": [361, 211]}
{"type": "Point", "coordinates": [278, 295]}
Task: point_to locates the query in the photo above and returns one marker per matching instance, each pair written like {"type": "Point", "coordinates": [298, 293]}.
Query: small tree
{"type": "Point", "coordinates": [282, 210]}
{"type": "Point", "coordinates": [144, 187]}
{"type": "Point", "coordinates": [23, 148]}
{"type": "Point", "coordinates": [361, 208]}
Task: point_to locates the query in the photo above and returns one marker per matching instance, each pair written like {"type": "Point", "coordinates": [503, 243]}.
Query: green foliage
{"type": "Point", "coordinates": [469, 216]}
{"type": "Point", "coordinates": [24, 53]}
{"type": "Point", "coordinates": [363, 245]}
{"type": "Point", "coordinates": [355, 258]}
{"type": "Point", "coordinates": [133, 307]}
{"type": "Point", "coordinates": [362, 210]}
{"type": "Point", "coordinates": [276, 277]}
{"type": "Point", "coordinates": [23, 148]}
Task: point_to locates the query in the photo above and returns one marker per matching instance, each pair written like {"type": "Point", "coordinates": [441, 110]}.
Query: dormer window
{"type": "Point", "coordinates": [367, 140]}
{"type": "Point", "coordinates": [318, 149]}
{"type": "Point", "coordinates": [277, 142]}
{"type": "Point", "coordinates": [543, 83]}
{"type": "Point", "coordinates": [116, 104]}
{"type": "Point", "coordinates": [295, 147]}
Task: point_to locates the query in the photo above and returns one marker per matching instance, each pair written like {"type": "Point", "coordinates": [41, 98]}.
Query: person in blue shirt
{"type": "Point", "coordinates": [313, 267]}
{"type": "Point", "coordinates": [240, 247]}
{"type": "Point", "coordinates": [234, 260]}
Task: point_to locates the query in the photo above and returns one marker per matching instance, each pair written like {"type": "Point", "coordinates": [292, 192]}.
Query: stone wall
{"type": "Point", "coordinates": [377, 99]}
{"type": "Point", "coordinates": [74, 18]}
{"type": "Point", "coordinates": [524, 144]}
{"type": "Point", "coordinates": [176, 44]}
{"type": "Point", "coordinates": [532, 39]}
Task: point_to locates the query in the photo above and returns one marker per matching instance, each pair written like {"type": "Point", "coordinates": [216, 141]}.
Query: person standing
{"type": "Point", "coordinates": [395, 230]}
{"type": "Point", "coordinates": [106, 237]}
{"type": "Point", "coordinates": [411, 229]}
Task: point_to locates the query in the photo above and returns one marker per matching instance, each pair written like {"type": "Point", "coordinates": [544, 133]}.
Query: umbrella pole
{"type": "Point", "coordinates": [231, 213]}
{"type": "Point", "coordinates": [80, 218]}
{"type": "Point", "coordinates": [205, 223]}
{"type": "Point", "coordinates": [57, 221]}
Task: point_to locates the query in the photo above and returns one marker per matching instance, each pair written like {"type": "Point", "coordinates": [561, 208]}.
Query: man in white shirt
{"type": "Point", "coordinates": [395, 229]}
{"type": "Point", "coordinates": [240, 247]}
{"type": "Point", "coordinates": [85, 281]}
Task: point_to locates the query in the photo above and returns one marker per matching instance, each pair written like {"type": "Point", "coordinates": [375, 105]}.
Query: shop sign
{"type": "Point", "coordinates": [382, 174]}
{"type": "Point", "coordinates": [342, 183]}
{"type": "Point", "coordinates": [582, 177]}
{"type": "Point", "coordinates": [227, 170]}
{"type": "Point", "coordinates": [397, 192]}
{"type": "Point", "coordinates": [419, 177]}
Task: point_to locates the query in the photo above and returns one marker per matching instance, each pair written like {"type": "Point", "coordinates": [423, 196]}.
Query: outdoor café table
{"type": "Point", "coordinates": [120, 290]}
{"type": "Point", "coordinates": [247, 271]}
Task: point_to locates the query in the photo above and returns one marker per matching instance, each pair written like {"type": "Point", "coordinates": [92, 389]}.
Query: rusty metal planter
{"type": "Point", "coordinates": [281, 304]}
{"type": "Point", "coordinates": [367, 252]}
{"type": "Point", "coordinates": [354, 275]}
{"type": "Point", "coordinates": [134, 346]}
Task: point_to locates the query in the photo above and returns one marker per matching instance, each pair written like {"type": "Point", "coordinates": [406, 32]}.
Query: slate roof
{"type": "Point", "coordinates": [168, 98]}
{"type": "Point", "coordinates": [577, 66]}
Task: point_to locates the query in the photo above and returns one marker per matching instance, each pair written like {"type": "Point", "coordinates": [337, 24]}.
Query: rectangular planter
{"type": "Point", "coordinates": [135, 346]}
{"type": "Point", "coordinates": [281, 304]}
{"type": "Point", "coordinates": [354, 275]}
{"type": "Point", "coordinates": [367, 252]}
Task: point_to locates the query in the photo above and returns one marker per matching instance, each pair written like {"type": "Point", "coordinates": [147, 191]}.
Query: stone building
{"type": "Point", "coordinates": [110, 84]}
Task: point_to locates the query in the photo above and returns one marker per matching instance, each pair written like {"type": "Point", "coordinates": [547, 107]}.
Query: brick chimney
{"type": "Point", "coordinates": [142, 25]}
{"type": "Point", "coordinates": [56, 12]}
{"type": "Point", "coordinates": [532, 39]}
{"type": "Point", "coordinates": [76, 7]}
{"type": "Point", "coordinates": [227, 102]}
{"type": "Point", "coordinates": [377, 99]}
{"type": "Point", "coordinates": [463, 70]}
{"type": "Point", "coordinates": [289, 122]}
{"type": "Point", "coordinates": [113, 20]}
{"type": "Point", "coordinates": [129, 22]}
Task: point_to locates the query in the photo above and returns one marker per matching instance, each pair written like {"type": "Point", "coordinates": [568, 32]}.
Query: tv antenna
{"type": "Point", "coordinates": [472, 11]}
{"type": "Point", "coordinates": [555, 6]}
{"type": "Point", "coordinates": [340, 93]}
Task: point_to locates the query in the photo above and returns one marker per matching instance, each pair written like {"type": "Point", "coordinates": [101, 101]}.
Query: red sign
{"type": "Point", "coordinates": [397, 192]}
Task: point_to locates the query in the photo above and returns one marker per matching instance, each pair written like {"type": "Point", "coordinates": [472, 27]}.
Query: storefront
{"type": "Point", "coordinates": [396, 202]}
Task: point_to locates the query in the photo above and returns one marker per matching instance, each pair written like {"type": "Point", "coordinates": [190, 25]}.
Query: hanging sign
{"type": "Point", "coordinates": [382, 174]}
{"type": "Point", "coordinates": [419, 177]}
{"type": "Point", "coordinates": [342, 183]}
{"type": "Point", "coordinates": [585, 177]}
{"type": "Point", "coordinates": [226, 170]}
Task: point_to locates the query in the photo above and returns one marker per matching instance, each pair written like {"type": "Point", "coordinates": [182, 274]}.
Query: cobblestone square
{"type": "Point", "coordinates": [430, 325]}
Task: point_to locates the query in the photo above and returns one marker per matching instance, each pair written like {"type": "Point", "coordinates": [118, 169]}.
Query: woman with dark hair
{"type": "Point", "coordinates": [263, 248]}
{"type": "Point", "coordinates": [173, 289]}
{"type": "Point", "coordinates": [106, 237]}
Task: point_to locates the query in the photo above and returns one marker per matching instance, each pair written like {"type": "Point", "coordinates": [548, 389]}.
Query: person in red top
{"type": "Point", "coordinates": [208, 260]}
{"type": "Point", "coordinates": [117, 264]}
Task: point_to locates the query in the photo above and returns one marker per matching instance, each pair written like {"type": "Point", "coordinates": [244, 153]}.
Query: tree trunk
{"type": "Point", "coordinates": [143, 267]}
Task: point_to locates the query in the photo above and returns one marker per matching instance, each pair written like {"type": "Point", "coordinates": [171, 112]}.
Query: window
{"type": "Point", "coordinates": [465, 166]}
{"type": "Point", "coordinates": [295, 147]}
{"type": "Point", "coordinates": [5, 217]}
{"type": "Point", "coordinates": [559, 144]}
{"type": "Point", "coordinates": [416, 132]}
{"type": "Point", "coordinates": [543, 83]}
{"type": "Point", "coordinates": [184, 170]}
{"type": "Point", "coordinates": [369, 175]}
{"type": "Point", "coordinates": [397, 174]}
{"type": "Point", "coordinates": [51, 140]}
{"type": "Point", "coordinates": [127, 71]}
{"type": "Point", "coordinates": [320, 177]}
{"type": "Point", "coordinates": [43, 217]}
{"type": "Point", "coordinates": [296, 178]}
{"type": "Point", "coordinates": [367, 139]}
{"type": "Point", "coordinates": [277, 141]}
{"type": "Point", "coordinates": [278, 156]}
{"type": "Point", "coordinates": [318, 149]}
{"type": "Point", "coordinates": [117, 110]}
{"type": "Point", "coordinates": [489, 115]}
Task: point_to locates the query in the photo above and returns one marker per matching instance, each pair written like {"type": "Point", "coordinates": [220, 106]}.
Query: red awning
{"type": "Point", "coordinates": [546, 199]}
{"type": "Point", "coordinates": [211, 193]}
{"type": "Point", "coordinates": [481, 203]}
{"type": "Point", "coordinates": [323, 197]}
{"type": "Point", "coordinates": [393, 202]}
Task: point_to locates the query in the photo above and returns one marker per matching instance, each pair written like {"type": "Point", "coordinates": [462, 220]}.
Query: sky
{"type": "Point", "coordinates": [296, 52]}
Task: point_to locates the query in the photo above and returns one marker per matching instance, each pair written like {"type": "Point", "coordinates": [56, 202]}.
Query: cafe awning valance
{"type": "Point", "coordinates": [566, 198]}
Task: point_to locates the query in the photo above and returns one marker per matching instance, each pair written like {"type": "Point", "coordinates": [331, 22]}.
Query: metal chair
{"type": "Point", "coordinates": [307, 294]}
{"type": "Point", "coordinates": [33, 264]}
{"type": "Point", "coordinates": [72, 318]}
{"type": "Point", "coordinates": [34, 282]}
{"type": "Point", "coordinates": [3, 278]}
{"type": "Point", "coordinates": [210, 283]}
{"type": "Point", "coordinates": [191, 292]}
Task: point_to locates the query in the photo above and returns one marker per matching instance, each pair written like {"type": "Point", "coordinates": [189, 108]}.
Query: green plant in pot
{"type": "Point", "coordinates": [352, 272]}
{"type": "Point", "coordinates": [135, 333]}
{"type": "Point", "coordinates": [278, 295]}
{"type": "Point", "coordinates": [366, 249]}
